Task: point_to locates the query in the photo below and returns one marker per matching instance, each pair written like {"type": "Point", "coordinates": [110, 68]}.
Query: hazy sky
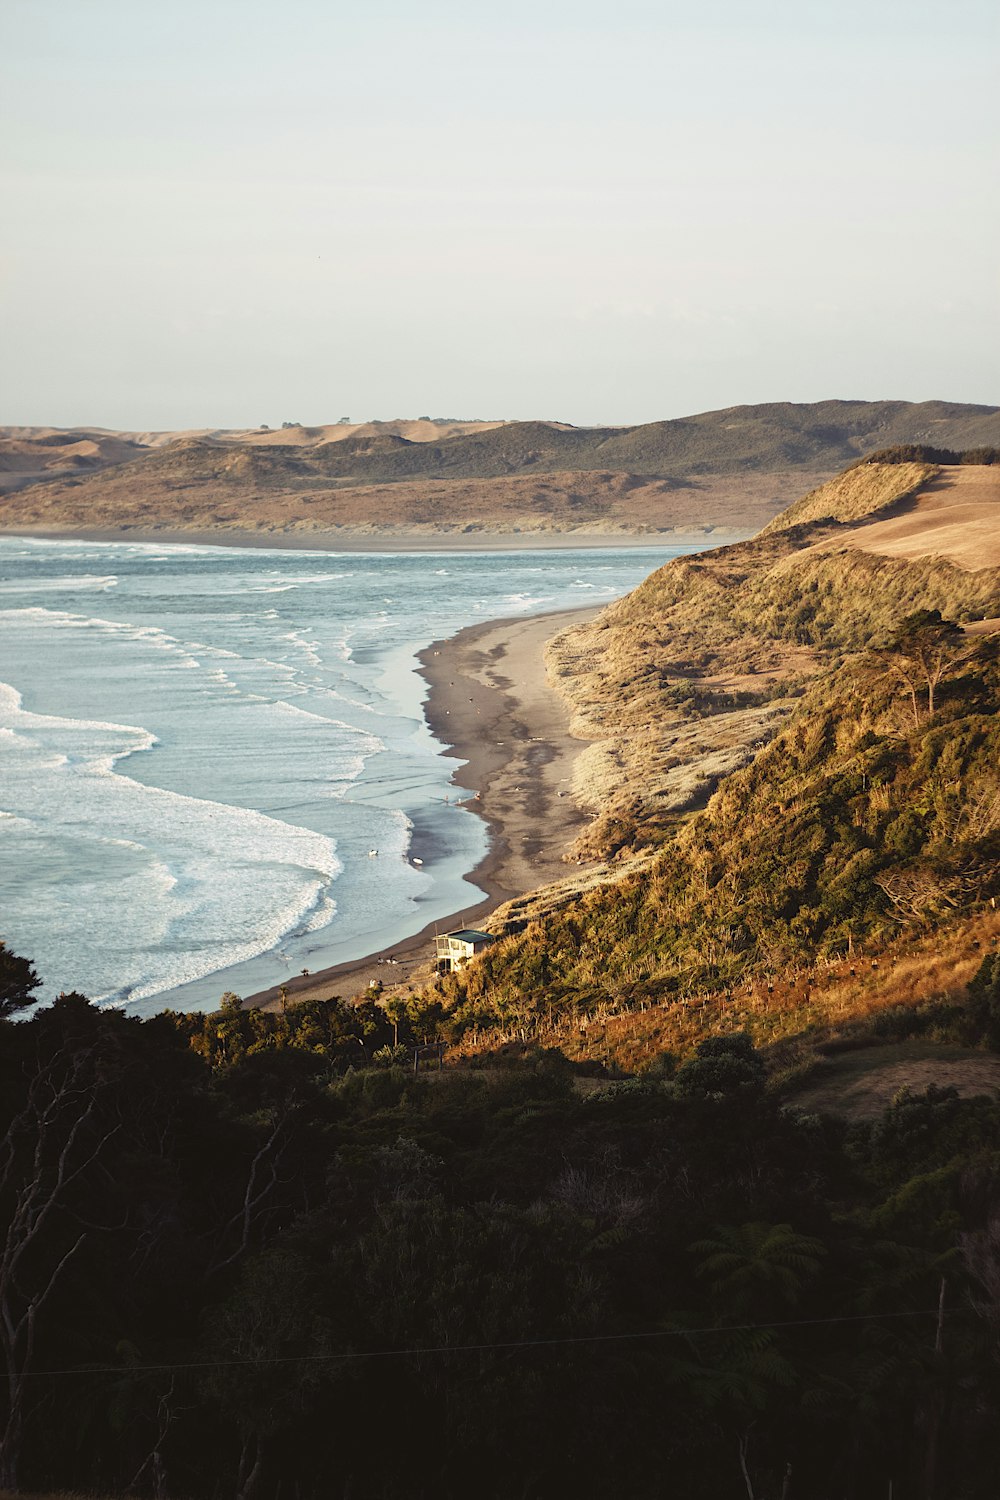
{"type": "Point", "coordinates": [221, 212]}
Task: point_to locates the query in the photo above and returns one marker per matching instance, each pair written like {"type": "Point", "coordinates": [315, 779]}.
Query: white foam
{"type": "Point", "coordinates": [81, 583]}
{"type": "Point", "coordinates": [308, 648]}
{"type": "Point", "coordinates": [205, 771]}
{"type": "Point", "coordinates": [196, 885]}
{"type": "Point", "coordinates": [526, 601]}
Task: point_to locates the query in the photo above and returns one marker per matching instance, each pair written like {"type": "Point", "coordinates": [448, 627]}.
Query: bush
{"type": "Point", "coordinates": [922, 453]}
{"type": "Point", "coordinates": [721, 1065]}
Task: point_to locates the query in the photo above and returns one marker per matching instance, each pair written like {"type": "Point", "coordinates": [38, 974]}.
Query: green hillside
{"type": "Point", "coordinates": [849, 769]}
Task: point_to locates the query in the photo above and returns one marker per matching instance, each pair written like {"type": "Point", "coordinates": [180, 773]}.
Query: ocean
{"type": "Point", "coordinates": [199, 746]}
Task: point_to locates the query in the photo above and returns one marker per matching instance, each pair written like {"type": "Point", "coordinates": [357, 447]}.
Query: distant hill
{"type": "Point", "coordinates": [31, 455]}
{"type": "Point", "coordinates": [742, 465]}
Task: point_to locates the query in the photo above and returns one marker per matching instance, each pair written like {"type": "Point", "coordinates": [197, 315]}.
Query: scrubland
{"type": "Point", "coordinates": [774, 796]}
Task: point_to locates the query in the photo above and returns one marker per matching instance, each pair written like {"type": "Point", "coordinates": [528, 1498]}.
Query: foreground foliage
{"type": "Point", "coordinates": [263, 1274]}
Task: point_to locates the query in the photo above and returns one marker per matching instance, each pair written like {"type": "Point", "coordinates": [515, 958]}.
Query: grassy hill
{"type": "Point", "coordinates": [773, 796]}
{"type": "Point", "coordinates": [752, 459]}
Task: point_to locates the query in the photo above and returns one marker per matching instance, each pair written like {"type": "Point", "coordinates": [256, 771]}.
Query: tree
{"type": "Point", "coordinates": [109, 1151]}
{"type": "Point", "coordinates": [984, 1002]}
{"type": "Point", "coordinates": [722, 1065]}
{"type": "Point", "coordinates": [756, 1273]}
{"type": "Point", "coordinates": [758, 1270]}
{"type": "Point", "coordinates": [920, 653]}
{"type": "Point", "coordinates": [263, 1354]}
{"type": "Point", "coordinates": [48, 1152]}
{"type": "Point", "coordinates": [18, 982]}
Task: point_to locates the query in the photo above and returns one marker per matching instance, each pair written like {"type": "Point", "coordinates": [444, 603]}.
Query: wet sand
{"type": "Point", "coordinates": [491, 705]}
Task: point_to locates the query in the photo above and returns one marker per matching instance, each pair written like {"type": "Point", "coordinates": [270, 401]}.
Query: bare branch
{"type": "Point", "coordinates": [256, 1194]}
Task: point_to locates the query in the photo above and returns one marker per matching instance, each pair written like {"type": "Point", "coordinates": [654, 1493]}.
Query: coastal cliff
{"type": "Point", "coordinates": [791, 758]}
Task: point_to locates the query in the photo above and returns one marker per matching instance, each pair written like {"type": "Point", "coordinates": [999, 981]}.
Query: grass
{"type": "Point", "coordinates": [794, 1014]}
{"type": "Point", "coordinates": [856, 495]}
{"type": "Point", "coordinates": [860, 1084]}
{"type": "Point", "coordinates": [685, 679]}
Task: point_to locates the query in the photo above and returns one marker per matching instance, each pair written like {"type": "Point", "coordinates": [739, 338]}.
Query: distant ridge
{"type": "Point", "coordinates": [294, 478]}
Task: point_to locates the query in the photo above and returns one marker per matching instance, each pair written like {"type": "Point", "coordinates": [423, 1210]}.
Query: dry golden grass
{"type": "Point", "coordinates": [858, 492]}
{"type": "Point", "coordinates": [679, 684]}
{"type": "Point", "coordinates": [793, 1013]}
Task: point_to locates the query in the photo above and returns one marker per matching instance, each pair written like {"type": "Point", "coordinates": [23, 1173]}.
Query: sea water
{"type": "Point", "coordinates": [200, 746]}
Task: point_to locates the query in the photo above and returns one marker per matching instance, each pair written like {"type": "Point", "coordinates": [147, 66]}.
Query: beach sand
{"type": "Point", "coordinates": [491, 704]}
{"type": "Point", "coordinates": [422, 539]}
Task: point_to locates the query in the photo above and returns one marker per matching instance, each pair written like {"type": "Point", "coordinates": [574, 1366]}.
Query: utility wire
{"type": "Point", "coordinates": [586, 1338]}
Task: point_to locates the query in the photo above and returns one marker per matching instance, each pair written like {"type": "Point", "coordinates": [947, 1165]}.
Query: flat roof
{"type": "Point", "coordinates": [471, 935]}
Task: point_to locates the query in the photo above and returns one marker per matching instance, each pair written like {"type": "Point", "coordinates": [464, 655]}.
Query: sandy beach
{"type": "Point", "coordinates": [423, 540]}
{"type": "Point", "coordinates": [490, 703]}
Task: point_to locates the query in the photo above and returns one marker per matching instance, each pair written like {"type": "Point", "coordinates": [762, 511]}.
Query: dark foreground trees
{"type": "Point", "coordinates": [18, 982]}
{"type": "Point", "coordinates": [283, 1276]}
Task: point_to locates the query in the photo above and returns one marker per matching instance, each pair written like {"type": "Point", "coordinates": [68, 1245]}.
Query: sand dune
{"type": "Point", "coordinates": [418, 430]}
{"type": "Point", "coordinates": [29, 455]}
{"type": "Point", "coordinates": [731, 470]}
{"type": "Point", "coordinates": [32, 454]}
{"type": "Point", "coordinates": [956, 516]}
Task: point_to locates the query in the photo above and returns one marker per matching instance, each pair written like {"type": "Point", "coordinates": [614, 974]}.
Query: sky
{"type": "Point", "coordinates": [226, 213]}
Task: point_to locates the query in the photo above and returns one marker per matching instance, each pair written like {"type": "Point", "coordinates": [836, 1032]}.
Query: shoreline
{"type": "Point", "coordinates": [392, 541]}
{"type": "Point", "coordinates": [492, 708]}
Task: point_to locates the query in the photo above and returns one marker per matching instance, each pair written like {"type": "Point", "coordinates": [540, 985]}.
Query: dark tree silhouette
{"type": "Point", "coordinates": [18, 982]}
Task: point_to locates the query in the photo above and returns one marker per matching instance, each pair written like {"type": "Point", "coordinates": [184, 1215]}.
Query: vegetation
{"type": "Point", "coordinates": [921, 453]}
{"type": "Point", "coordinates": [865, 815]}
{"type": "Point", "coordinates": [18, 982]}
{"type": "Point", "coordinates": [686, 680]}
{"type": "Point", "coordinates": [859, 493]}
{"type": "Point", "coordinates": [263, 1270]}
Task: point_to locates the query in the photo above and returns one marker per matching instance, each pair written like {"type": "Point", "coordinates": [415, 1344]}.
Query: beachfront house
{"type": "Point", "coordinates": [456, 948]}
